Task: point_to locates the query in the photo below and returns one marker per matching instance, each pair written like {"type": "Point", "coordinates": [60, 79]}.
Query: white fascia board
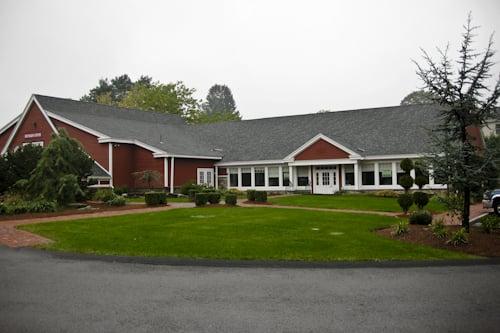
{"type": "Point", "coordinates": [262, 162]}
{"type": "Point", "coordinates": [320, 136]}
{"type": "Point", "coordinates": [76, 125]}
{"type": "Point", "coordinates": [163, 154]}
{"type": "Point", "coordinates": [9, 124]}
{"type": "Point", "coordinates": [21, 118]}
{"type": "Point", "coordinates": [393, 157]}
{"type": "Point", "coordinates": [323, 162]}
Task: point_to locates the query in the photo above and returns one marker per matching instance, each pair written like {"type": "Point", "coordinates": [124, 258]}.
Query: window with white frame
{"type": "Point", "coordinates": [286, 176]}
{"type": "Point", "coordinates": [400, 172]}
{"type": "Point", "coordinates": [260, 176]}
{"type": "Point", "coordinates": [35, 143]}
{"type": "Point", "coordinates": [205, 176]}
{"type": "Point", "coordinates": [233, 177]}
{"type": "Point", "coordinates": [385, 173]}
{"type": "Point", "coordinates": [368, 174]}
{"type": "Point", "coordinates": [273, 176]}
{"type": "Point", "coordinates": [246, 177]}
{"type": "Point", "coordinates": [348, 174]}
{"type": "Point", "coordinates": [303, 176]}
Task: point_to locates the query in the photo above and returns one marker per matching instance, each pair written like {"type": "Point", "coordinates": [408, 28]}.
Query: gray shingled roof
{"type": "Point", "coordinates": [378, 131]}
{"type": "Point", "coordinates": [99, 172]}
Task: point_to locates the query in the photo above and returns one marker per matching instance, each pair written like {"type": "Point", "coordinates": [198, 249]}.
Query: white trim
{"type": "Point", "coordinates": [21, 119]}
{"type": "Point", "coordinates": [316, 138]}
{"type": "Point", "coordinates": [9, 124]}
{"type": "Point", "coordinates": [205, 172]}
{"type": "Point", "coordinates": [76, 125]}
{"type": "Point", "coordinates": [172, 164]}
{"type": "Point", "coordinates": [393, 157]}
{"type": "Point", "coordinates": [238, 163]}
{"type": "Point", "coordinates": [110, 163]}
{"type": "Point", "coordinates": [322, 162]}
{"type": "Point", "coordinates": [165, 172]}
{"type": "Point", "coordinates": [163, 154]}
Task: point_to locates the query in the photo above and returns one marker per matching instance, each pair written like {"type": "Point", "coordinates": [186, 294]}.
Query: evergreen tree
{"type": "Point", "coordinates": [220, 105]}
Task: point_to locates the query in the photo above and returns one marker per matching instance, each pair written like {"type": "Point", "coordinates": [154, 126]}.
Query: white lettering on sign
{"type": "Point", "coordinates": [32, 135]}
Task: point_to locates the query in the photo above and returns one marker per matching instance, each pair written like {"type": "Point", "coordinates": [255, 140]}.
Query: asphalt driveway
{"type": "Point", "coordinates": [41, 293]}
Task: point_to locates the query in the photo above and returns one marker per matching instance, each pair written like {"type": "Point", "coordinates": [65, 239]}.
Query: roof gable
{"type": "Point", "coordinates": [320, 150]}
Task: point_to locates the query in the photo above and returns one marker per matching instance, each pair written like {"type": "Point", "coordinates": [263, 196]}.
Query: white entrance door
{"type": "Point", "coordinates": [205, 176]}
{"type": "Point", "coordinates": [325, 180]}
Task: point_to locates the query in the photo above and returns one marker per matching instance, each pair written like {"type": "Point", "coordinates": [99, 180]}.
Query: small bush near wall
{"type": "Point", "coordinates": [260, 196]}
{"type": "Point", "coordinates": [119, 190]}
{"type": "Point", "coordinates": [155, 198]}
{"type": "Point", "coordinates": [421, 217]}
{"type": "Point", "coordinates": [251, 195]}
{"type": "Point", "coordinates": [489, 223]}
{"type": "Point", "coordinates": [201, 199]}
{"type": "Point", "coordinates": [230, 199]}
{"type": "Point", "coordinates": [214, 198]}
{"type": "Point", "coordinates": [104, 194]}
{"type": "Point", "coordinates": [117, 201]}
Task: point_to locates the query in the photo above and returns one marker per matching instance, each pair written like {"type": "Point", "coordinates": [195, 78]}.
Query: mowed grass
{"type": "Point", "coordinates": [350, 201]}
{"type": "Point", "coordinates": [236, 233]}
{"type": "Point", "coordinates": [169, 199]}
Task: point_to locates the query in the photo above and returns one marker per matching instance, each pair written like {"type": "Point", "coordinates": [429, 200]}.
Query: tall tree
{"type": "Point", "coordinates": [220, 105]}
{"type": "Point", "coordinates": [418, 97]}
{"type": "Point", "coordinates": [114, 90]}
{"type": "Point", "coordinates": [173, 98]}
{"type": "Point", "coordinates": [466, 102]}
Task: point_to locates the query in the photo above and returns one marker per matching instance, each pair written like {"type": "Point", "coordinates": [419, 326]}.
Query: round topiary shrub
{"type": "Point", "coordinates": [420, 217]}
{"type": "Point", "coordinates": [251, 195]}
{"type": "Point", "coordinates": [260, 196]}
{"type": "Point", "coordinates": [155, 198]}
{"type": "Point", "coordinates": [405, 201]}
{"type": "Point", "coordinates": [406, 182]}
{"type": "Point", "coordinates": [230, 199]}
{"type": "Point", "coordinates": [420, 181]}
{"type": "Point", "coordinates": [214, 198]}
{"type": "Point", "coordinates": [406, 165]}
{"type": "Point", "coordinates": [421, 199]}
{"type": "Point", "coordinates": [200, 199]}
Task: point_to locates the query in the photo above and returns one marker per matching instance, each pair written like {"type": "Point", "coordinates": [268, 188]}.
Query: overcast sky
{"type": "Point", "coordinates": [278, 57]}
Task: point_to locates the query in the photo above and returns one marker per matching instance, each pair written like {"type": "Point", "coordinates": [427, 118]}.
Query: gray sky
{"type": "Point", "coordinates": [278, 57]}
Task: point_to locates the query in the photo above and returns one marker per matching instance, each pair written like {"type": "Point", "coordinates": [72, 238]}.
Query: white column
{"type": "Point", "coordinates": [239, 177]}
{"type": "Point", "coordinates": [431, 177]}
{"type": "Point", "coordinates": [337, 171]}
{"type": "Point", "coordinates": [266, 180]}
{"type": "Point", "coordinates": [110, 162]}
{"type": "Point", "coordinates": [172, 163]}
{"type": "Point", "coordinates": [376, 171]}
{"type": "Point", "coordinates": [216, 176]}
{"type": "Point", "coordinates": [252, 175]}
{"type": "Point", "coordinates": [356, 176]}
{"type": "Point", "coordinates": [290, 177]}
{"type": "Point", "coordinates": [165, 172]}
{"type": "Point", "coordinates": [280, 176]}
{"type": "Point", "coordinates": [412, 174]}
{"type": "Point", "coordinates": [394, 174]}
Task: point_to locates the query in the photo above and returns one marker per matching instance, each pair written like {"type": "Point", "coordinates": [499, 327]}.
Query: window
{"type": "Point", "coordinates": [205, 176]}
{"type": "Point", "coordinates": [349, 174]}
{"type": "Point", "coordinates": [385, 173]}
{"type": "Point", "coordinates": [420, 171]}
{"type": "Point", "coordinates": [35, 143]}
{"type": "Point", "coordinates": [325, 175]}
{"type": "Point", "coordinates": [260, 178]}
{"type": "Point", "coordinates": [400, 172]}
{"type": "Point", "coordinates": [246, 177]}
{"type": "Point", "coordinates": [286, 177]}
{"type": "Point", "coordinates": [368, 174]}
{"type": "Point", "coordinates": [303, 176]}
{"type": "Point", "coordinates": [233, 177]}
{"type": "Point", "coordinates": [273, 176]}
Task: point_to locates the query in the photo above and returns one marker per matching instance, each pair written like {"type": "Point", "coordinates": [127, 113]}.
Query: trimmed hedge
{"type": "Point", "coordinates": [155, 198]}
{"type": "Point", "coordinates": [251, 195]}
{"type": "Point", "coordinates": [406, 182]}
{"type": "Point", "coordinates": [421, 199]}
{"type": "Point", "coordinates": [230, 199]}
{"type": "Point", "coordinates": [405, 201]}
{"type": "Point", "coordinates": [200, 199]}
{"type": "Point", "coordinates": [117, 201]}
{"type": "Point", "coordinates": [260, 196]}
{"type": "Point", "coordinates": [214, 198]}
{"type": "Point", "coordinates": [191, 193]}
{"type": "Point", "coordinates": [421, 217]}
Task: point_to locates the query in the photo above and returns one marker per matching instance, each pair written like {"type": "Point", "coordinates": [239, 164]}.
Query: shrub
{"type": "Point", "coordinates": [155, 198]}
{"type": "Point", "coordinates": [406, 182]}
{"type": "Point", "coordinates": [260, 196]}
{"type": "Point", "coordinates": [191, 193]}
{"type": "Point", "coordinates": [400, 228]}
{"type": "Point", "coordinates": [214, 198]}
{"type": "Point", "coordinates": [421, 199]}
{"type": "Point", "coordinates": [405, 201]}
{"type": "Point", "coordinates": [17, 208]}
{"type": "Point", "coordinates": [41, 206]}
{"type": "Point", "coordinates": [458, 238]}
{"type": "Point", "coordinates": [438, 229]}
{"type": "Point", "coordinates": [20, 187]}
{"type": "Point", "coordinates": [119, 190]}
{"type": "Point", "coordinates": [68, 190]}
{"type": "Point", "coordinates": [386, 194]}
{"type": "Point", "coordinates": [251, 195]}
{"type": "Point", "coordinates": [406, 165]}
{"type": "Point", "coordinates": [3, 209]}
{"type": "Point", "coordinates": [187, 186]}
{"type": "Point", "coordinates": [420, 181]}
{"type": "Point", "coordinates": [489, 223]}
{"type": "Point", "coordinates": [201, 199]}
{"type": "Point", "coordinates": [104, 194]}
{"type": "Point", "coordinates": [117, 201]}
{"type": "Point", "coordinates": [420, 217]}
{"type": "Point", "coordinates": [230, 199]}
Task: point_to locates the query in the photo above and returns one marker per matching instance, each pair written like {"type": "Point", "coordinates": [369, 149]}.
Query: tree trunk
{"type": "Point", "coordinates": [466, 209]}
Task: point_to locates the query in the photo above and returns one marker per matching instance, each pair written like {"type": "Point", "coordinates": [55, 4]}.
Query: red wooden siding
{"type": "Point", "coordinates": [98, 151]}
{"type": "Point", "coordinates": [143, 160]}
{"type": "Point", "coordinates": [123, 164]}
{"type": "Point", "coordinates": [33, 122]}
{"type": "Point", "coordinates": [321, 150]}
{"type": "Point", "coordinates": [185, 169]}
{"type": "Point", "coordinates": [5, 136]}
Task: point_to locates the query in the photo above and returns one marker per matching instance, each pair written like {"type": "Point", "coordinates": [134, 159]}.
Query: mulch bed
{"type": "Point", "coordinates": [97, 208]}
{"type": "Point", "coordinates": [257, 203]}
{"type": "Point", "coordinates": [480, 243]}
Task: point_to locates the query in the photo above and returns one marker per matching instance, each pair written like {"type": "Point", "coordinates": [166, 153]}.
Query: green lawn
{"type": "Point", "coordinates": [350, 201]}
{"type": "Point", "coordinates": [236, 233]}
{"type": "Point", "coordinates": [169, 199]}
